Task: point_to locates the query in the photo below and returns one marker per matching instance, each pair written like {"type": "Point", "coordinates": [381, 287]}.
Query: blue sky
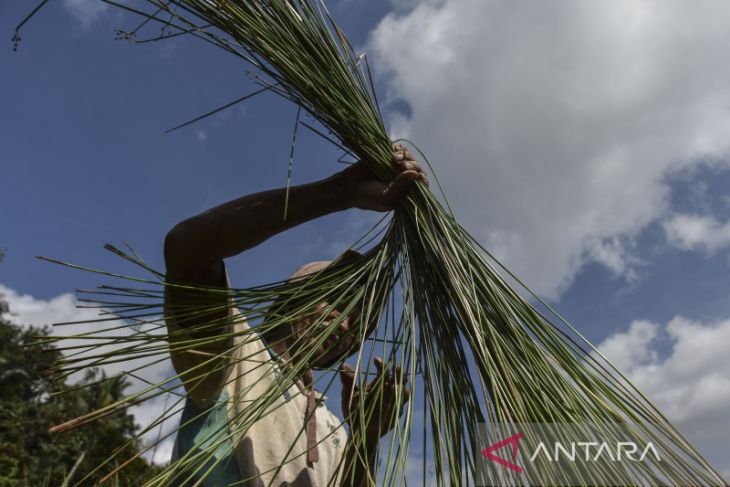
{"type": "Point", "coordinates": [89, 162]}
{"type": "Point", "coordinates": [595, 163]}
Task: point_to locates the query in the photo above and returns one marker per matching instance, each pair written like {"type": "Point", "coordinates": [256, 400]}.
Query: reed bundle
{"type": "Point", "coordinates": [473, 349]}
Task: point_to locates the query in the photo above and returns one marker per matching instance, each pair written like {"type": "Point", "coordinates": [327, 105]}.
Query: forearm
{"type": "Point", "coordinates": [195, 248]}
{"type": "Point", "coordinates": [243, 223]}
{"type": "Point", "coordinates": [359, 466]}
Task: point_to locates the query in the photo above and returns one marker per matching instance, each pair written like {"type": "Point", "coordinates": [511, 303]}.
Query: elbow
{"type": "Point", "coordinates": [176, 241]}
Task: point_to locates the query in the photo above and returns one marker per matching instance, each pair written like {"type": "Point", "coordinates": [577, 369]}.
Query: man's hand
{"type": "Point", "coordinates": [367, 192]}
{"type": "Point", "coordinates": [380, 400]}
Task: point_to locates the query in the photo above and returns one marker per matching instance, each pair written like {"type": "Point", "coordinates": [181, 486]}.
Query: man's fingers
{"type": "Point", "coordinates": [399, 376]}
{"type": "Point", "coordinates": [392, 375]}
{"type": "Point", "coordinates": [407, 162]}
{"type": "Point", "coordinates": [424, 178]}
{"type": "Point", "coordinates": [400, 156]}
{"type": "Point", "coordinates": [409, 165]}
{"type": "Point", "coordinates": [347, 377]}
{"type": "Point", "coordinates": [400, 186]}
{"type": "Point", "coordinates": [378, 365]}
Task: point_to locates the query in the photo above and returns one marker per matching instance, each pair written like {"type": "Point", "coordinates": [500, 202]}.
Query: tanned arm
{"type": "Point", "coordinates": [195, 248]}
{"type": "Point", "coordinates": [383, 401]}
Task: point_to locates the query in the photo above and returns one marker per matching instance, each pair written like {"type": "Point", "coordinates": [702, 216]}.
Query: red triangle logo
{"type": "Point", "coordinates": [512, 440]}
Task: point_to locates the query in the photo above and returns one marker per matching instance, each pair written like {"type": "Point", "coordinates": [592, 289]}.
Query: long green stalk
{"type": "Point", "coordinates": [471, 347]}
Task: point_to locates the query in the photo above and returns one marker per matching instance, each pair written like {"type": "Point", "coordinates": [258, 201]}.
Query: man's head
{"type": "Point", "coordinates": [302, 335]}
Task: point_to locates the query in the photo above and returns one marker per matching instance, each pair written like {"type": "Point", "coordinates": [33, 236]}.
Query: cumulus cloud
{"type": "Point", "coordinates": [86, 11]}
{"type": "Point", "coordinates": [27, 310]}
{"type": "Point", "coordinates": [408, 4]}
{"type": "Point", "coordinates": [690, 383]}
{"type": "Point", "coordinates": [554, 125]}
{"type": "Point", "coordinates": [697, 232]}
{"type": "Point", "coordinates": [630, 349]}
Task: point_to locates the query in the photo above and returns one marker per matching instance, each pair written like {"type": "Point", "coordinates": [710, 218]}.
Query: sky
{"type": "Point", "coordinates": [584, 144]}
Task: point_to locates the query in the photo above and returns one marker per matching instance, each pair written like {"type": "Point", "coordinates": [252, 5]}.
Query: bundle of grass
{"type": "Point", "coordinates": [473, 349]}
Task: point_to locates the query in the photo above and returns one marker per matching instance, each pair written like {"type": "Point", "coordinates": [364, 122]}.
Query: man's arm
{"type": "Point", "coordinates": [194, 253]}
{"type": "Point", "coordinates": [195, 248]}
{"type": "Point", "coordinates": [358, 469]}
{"type": "Point", "coordinates": [383, 402]}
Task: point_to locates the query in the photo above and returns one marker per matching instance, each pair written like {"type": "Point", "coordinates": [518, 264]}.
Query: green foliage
{"type": "Point", "coordinates": [30, 404]}
{"type": "Point", "coordinates": [442, 305]}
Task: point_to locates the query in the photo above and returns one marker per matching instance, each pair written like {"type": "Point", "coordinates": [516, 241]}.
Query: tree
{"type": "Point", "coordinates": [33, 398]}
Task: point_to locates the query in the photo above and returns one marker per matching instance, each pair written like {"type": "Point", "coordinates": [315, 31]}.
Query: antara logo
{"type": "Point", "coordinates": [594, 451]}
{"type": "Point", "coordinates": [512, 440]}
{"type": "Point", "coordinates": [586, 451]}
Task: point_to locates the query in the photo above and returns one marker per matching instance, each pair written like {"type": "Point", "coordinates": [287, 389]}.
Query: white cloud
{"type": "Point", "coordinates": [28, 310]}
{"type": "Point", "coordinates": [86, 11]}
{"type": "Point", "coordinates": [629, 349]}
{"type": "Point", "coordinates": [164, 431]}
{"type": "Point", "coordinates": [693, 232]}
{"type": "Point", "coordinates": [615, 254]}
{"type": "Point", "coordinates": [690, 383]}
{"type": "Point", "coordinates": [408, 4]}
{"type": "Point", "coordinates": [554, 125]}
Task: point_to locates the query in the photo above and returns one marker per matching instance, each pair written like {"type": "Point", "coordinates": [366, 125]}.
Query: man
{"type": "Point", "coordinates": [230, 371]}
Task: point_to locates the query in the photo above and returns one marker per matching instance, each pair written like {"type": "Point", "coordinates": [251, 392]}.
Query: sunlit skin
{"type": "Point", "coordinates": [335, 346]}
{"type": "Point", "coordinates": [196, 247]}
